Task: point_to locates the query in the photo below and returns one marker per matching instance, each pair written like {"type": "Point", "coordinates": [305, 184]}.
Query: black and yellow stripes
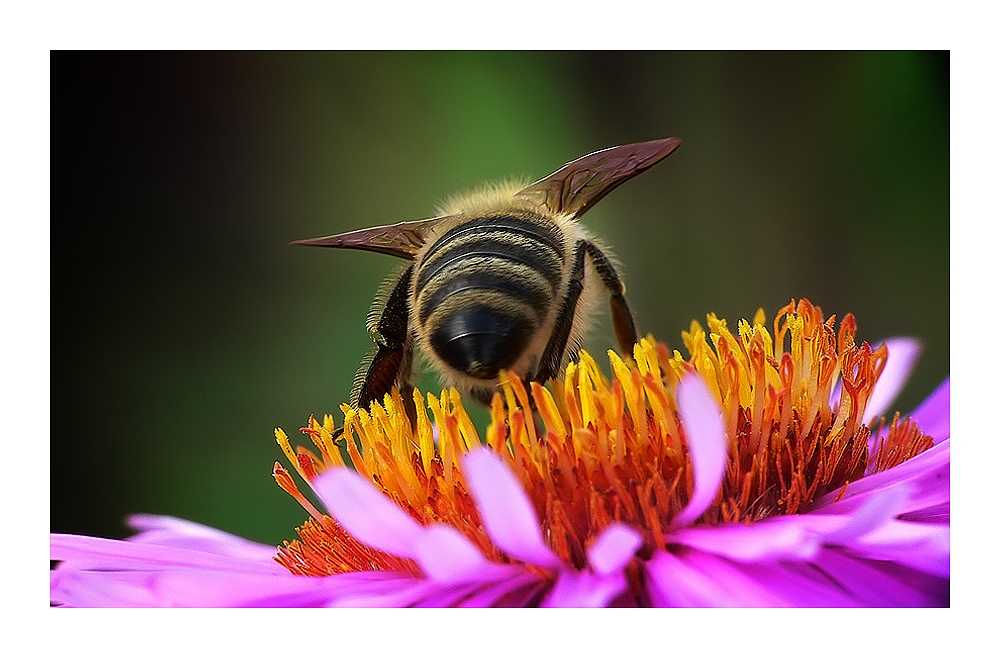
{"type": "Point", "coordinates": [486, 286]}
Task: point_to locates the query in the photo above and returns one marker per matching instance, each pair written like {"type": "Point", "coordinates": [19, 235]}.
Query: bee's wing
{"type": "Point", "coordinates": [403, 240]}
{"type": "Point", "coordinates": [576, 187]}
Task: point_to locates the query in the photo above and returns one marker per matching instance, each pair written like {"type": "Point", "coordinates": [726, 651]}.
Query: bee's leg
{"type": "Point", "coordinates": [390, 365]}
{"type": "Point", "coordinates": [548, 365]}
{"type": "Point", "coordinates": [621, 314]}
{"type": "Point", "coordinates": [406, 386]}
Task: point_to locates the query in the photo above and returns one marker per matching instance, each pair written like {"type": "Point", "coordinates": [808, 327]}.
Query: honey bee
{"type": "Point", "coordinates": [503, 279]}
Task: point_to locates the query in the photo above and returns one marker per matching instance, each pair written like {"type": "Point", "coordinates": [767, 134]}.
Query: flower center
{"type": "Point", "coordinates": [593, 451]}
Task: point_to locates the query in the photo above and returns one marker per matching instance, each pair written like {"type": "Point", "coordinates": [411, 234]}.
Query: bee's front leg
{"type": "Point", "coordinates": [390, 364]}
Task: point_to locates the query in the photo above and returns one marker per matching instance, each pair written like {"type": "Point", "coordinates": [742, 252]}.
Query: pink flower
{"type": "Point", "coordinates": [498, 537]}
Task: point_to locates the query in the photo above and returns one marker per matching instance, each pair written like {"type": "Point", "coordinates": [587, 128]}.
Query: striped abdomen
{"type": "Point", "coordinates": [486, 287]}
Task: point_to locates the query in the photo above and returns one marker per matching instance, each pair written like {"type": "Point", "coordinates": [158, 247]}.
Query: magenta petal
{"type": "Point", "coordinates": [870, 530]}
{"type": "Point", "coordinates": [506, 510]}
{"type": "Point", "coordinates": [873, 532]}
{"type": "Point", "coordinates": [359, 588]}
{"type": "Point", "coordinates": [181, 533]}
{"type": "Point", "coordinates": [449, 597]}
{"type": "Point", "coordinates": [881, 583]}
{"type": "Point", "coordinates": [925, 547]}
{"type": "Point", "coordinates": [81, 552]}
{"type": "Point", "coordinates": [516, 592]}
{"type": "Point", "coordinates": [402, 594]}
{"type": "Point", "coordinates": [197, 588]}
{"type": "Point", "coordinates": [933, 416]}
{"type": "Point", "coordinates": [903, 355]}
{"type": "Point", "coordinates": [940, 514]}
{"type": "Point", "coordinates": [216, 590]}
{"type": "Point", "coordinates": [100, 589]}
{"type": "Point", "coordinates": [701, 581]}
{"type": "Point", "coordinates": [447, 556]}
{"type": "Point", "coordinates": [874, 512]}
{"type": "Point", "coordinates": [706, 441]}
{"type": "Point", "coordinates": [581, 589]}
{"type": "Point", "coordinates": [695, 579]}
{"type": "Point", "coordinates": [927, 476]}
{"type": "Point", "coordinates": [613, 549]}
{"type": "Point", "coordinates": [777, 538]}
{"type": "Point", "coordinates": [368, 514]}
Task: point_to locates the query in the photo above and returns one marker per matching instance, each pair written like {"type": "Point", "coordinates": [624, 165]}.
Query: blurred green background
{"type": "Point", "coordinates": [184, 329]}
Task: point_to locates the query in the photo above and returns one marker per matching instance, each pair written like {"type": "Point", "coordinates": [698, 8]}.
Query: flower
{"type": "Point", "coordinates": [749, 474]}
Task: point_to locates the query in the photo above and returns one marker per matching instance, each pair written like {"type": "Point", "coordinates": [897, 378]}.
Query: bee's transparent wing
{"type": "Point", "coordinates": [576, 187]}
{"type": "Point", "coordinates": [572, 190]}
{"type": "Point", "coordinates": [402, 240]}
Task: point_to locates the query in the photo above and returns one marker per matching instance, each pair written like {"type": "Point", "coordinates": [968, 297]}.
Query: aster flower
{"type": "Point", "coordinates": [757, 472]}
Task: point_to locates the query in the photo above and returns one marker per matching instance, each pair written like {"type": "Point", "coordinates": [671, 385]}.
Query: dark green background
{"type": "Point", "coordinates": [184, 329]}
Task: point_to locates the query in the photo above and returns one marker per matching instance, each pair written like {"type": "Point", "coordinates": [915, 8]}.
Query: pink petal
{"type": "Point", "coordinates": [80, 552]}
{"type": "Point", "coordinates": [940, 514]}
{"type": "Point", "coordinates": [875, 511]}
{"type": "Point", "coordinates": [366, 513]}
{"type": "Point", "coordinates": [925, 547]}
{"type": "Point", "coordinates": [778, 538]}
{"type": "Point", "coordinates": [869, 530]}
{"type": "Point", "coordinates": [613, 549]}
{"type": "Point", "coordinates": [447, 556]}
{"type": "Point", "coordinates": [373, 584]}
{"type": "Point", "coordinates": [443, 553]}
{"type": "Point", "coordinates": [400, 595]}
{"type": "Point", "coordinates": [449, 597]}
{"type": "Point", "coordinates": [517, 592]}
{"type": "Point", "coordinates": [506, 510]}
{"type": "Point", "coordinates": [882, 584]}
{"type": "Point", "coordinates": [181, 533]}
{"type": "Point", "coordinates": [215, 590]}
{"type": "Point", "coordinates": [707, 444]}
{"type": "Point", "coordinates": [100, 589]}
{"type": "Point", "coordinates": [933, 416]}
{"type": "Point", "coordinates": [903, 355]}
{"type": "Point", "coordinates": [928, 476]}
{"type": "Point", "coordinates": [702, 581]}
{"type": "Point", "coordinates": [873, 532]}
{"type": "Point", "coordinates": [199, 588]}
{"type": "Point", "coordinates": [580, 589]}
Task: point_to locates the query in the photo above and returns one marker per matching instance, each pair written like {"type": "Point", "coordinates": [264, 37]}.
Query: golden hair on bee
{"type": "Point", "coordinates": [485, 198]}
{"type": "Point", "coordinates": [505, 278]}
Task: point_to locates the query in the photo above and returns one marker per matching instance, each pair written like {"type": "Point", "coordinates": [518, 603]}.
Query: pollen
{"type": "Point", "coordinates": [590, 451]}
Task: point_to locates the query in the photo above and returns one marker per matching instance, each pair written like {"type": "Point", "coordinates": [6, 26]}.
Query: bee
{"type": "Point", "coordinates": [503, 279]}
